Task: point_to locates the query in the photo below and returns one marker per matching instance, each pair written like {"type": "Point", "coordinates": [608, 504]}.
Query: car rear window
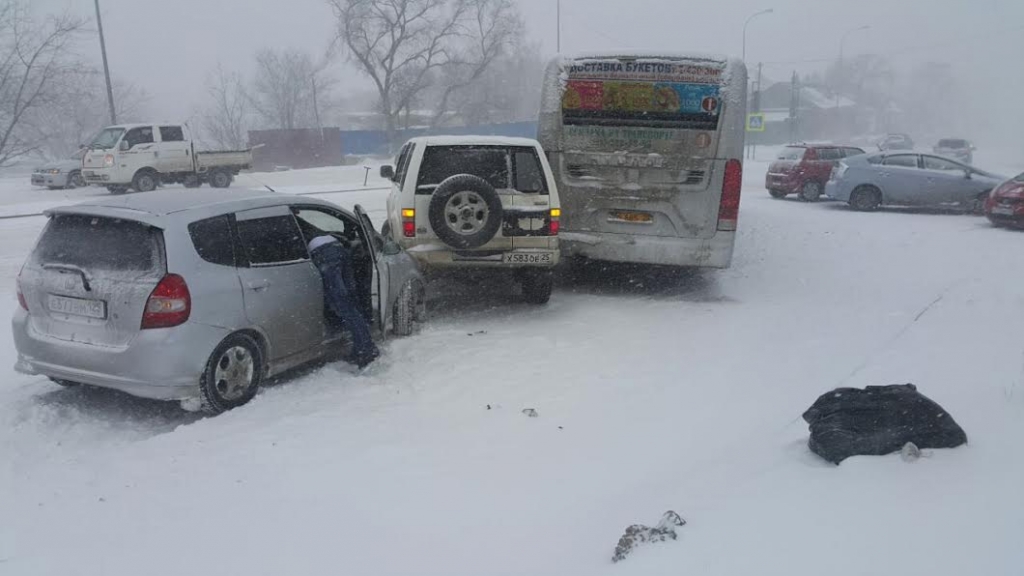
{"type": "Point", "coordinates": [99, 243]}
{"type": "Point", "coordinates": [952, 143]}
{"type": "Point", "coordinates": [791, 153]}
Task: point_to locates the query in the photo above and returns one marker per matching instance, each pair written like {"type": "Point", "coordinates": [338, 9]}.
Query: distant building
{"type": "Point", "coordinates": [811, 113]}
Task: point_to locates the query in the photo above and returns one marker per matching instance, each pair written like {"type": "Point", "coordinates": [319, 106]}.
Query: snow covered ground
{"type": "Point", "coordinates": [654, 392]}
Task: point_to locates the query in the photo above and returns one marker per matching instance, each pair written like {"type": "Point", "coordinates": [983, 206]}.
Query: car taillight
{"type": "Point", "coordinates": [408, 222]}
{"type": "Point", "coordinates": [170, 304]}
{"type": "Point", "coordinates": [21, 297]}
{"type": "Point", "coordinates": [555, 223]}
{"type": "Point", "coordinates": [108, 161]}
{"type": "Point", "coordinates": [729, 207]}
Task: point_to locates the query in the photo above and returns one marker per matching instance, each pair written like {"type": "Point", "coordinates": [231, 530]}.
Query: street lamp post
{"type": "Point", "coordinates": [106, 67]}
{"type": "Point", "coordinates": [745, 24]}
{"type": "Point", "coordinates": [558, 26]}
{"type": "Point", "coordinates": [842, 44]}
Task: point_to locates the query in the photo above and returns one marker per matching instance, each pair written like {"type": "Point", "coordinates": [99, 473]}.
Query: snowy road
{"type": "Point", "coordinates": [660, 392]}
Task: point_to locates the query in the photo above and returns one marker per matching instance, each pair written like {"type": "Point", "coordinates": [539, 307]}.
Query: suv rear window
{"type": "Point", "coordinates": [791, 153]}
{"type": "Point", "coordinates": [99, 243]}
{"type": "Point", "coordinates": [495, 164]}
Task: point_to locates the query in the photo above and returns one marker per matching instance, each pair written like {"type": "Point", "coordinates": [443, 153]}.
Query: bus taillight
{"type": "Point", "coordinates": [729, 207]}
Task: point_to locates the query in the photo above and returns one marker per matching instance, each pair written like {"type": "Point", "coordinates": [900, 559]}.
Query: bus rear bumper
{"type": "Point", "coordinates": [714, 252]}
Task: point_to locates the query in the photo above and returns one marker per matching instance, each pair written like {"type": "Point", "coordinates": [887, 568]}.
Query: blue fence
{"type": "Point", "coordinates": [367, 142]}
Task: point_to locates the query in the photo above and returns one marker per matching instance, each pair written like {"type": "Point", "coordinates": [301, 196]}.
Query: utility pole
{"type": "Point", "coordinates": [316, 112]}
{"type": "Point", "coordinates": [106, 67]}
{"type": "Point", "coordinates": [757, 109]}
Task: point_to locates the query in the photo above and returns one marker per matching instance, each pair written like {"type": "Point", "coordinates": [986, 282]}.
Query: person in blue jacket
{"type": "Point", "coordinates": [335, 265]}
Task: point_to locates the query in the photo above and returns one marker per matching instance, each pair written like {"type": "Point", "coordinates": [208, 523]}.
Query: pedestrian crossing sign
{"type": "Point", "coordinates": [755, 122]}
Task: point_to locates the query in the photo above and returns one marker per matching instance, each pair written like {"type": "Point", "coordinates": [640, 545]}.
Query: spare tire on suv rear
{"type": "Point", "coordinates": [465, 211]}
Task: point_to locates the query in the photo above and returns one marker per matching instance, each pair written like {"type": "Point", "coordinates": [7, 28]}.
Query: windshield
{"type": "Point", "coordinates": [107, 138]}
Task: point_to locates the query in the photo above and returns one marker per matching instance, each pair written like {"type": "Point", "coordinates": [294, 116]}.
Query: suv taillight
{"type": "Point", "coordinates": [169, 305]}
{"type": "Point", "coordinates": [21, 297]}
{"type": "Point", "coordinates": [729, 207]}
{"type": "Point", "coordinates": [555, 222]}
{"type": "Point", "coordinates": [409, 222]}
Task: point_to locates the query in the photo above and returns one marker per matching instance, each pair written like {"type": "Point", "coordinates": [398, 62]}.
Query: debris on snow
{"type": "Point", "coordinates": [639, 534]}
{"type": "Point", "coordinates": [878, 420]}
{"type": "Point", "coordinates": [910, 452]}
{"type": "Point", "coordinates": [530, 412]}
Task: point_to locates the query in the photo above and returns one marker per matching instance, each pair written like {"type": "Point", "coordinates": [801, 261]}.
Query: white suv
{"type": "Point", "coordinates": [477, 202]}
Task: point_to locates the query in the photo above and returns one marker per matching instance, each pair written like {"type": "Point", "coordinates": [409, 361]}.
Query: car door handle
{"type": "Point", "coordinates": [258, 285]}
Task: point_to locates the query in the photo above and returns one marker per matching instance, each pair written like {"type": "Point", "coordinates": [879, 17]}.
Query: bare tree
{"type": "Point", "coordinates": [288, 88]}
{"type": "Point", "coordinates": [400, 44]}
{"type": "Point", "coordinates": [508, 91]}
{"type": "Point", "coordinates": [492, 29]}
{"type": "Point", "coordinates": [36, 63]}
{"type": "Point", "coordinates": [80, 110]}
{"type": "Point", "coordinates": [225, 120]}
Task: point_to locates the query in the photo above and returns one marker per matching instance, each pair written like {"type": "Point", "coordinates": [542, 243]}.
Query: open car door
{"type": "Point", "coordinates": [380, 288]}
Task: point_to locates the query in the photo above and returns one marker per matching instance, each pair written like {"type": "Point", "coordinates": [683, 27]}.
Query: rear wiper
{"type": "Point", "coordinates": [73, 269]}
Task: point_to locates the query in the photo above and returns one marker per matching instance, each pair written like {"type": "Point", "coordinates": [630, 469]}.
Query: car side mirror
{"type": "Point", "coordinates": [124, 147]}
{"type": "Point", "coordinates": [387, 172]}
{"type": "Point", "coordinates": [390, 248]}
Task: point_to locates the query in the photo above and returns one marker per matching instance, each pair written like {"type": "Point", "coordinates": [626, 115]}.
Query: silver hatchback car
{"type": "Point", "coordinates": [189, 294]}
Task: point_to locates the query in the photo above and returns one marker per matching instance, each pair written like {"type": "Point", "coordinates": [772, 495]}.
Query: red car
{"type": "Point", "coordinates": [1005, 204]}
{"type": "Point", "coordinates": [804, 169]}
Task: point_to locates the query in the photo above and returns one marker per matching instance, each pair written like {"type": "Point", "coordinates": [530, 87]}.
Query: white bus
{"type": "Point", "coordinates": [647, 151]}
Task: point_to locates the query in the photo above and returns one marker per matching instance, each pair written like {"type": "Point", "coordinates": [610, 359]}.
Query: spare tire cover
{"type": "Point", "coordinates": [465, 211]}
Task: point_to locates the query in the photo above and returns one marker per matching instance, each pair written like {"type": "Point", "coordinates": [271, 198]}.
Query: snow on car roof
{"type": "Point", "coordinates": [163, 207]}
{"type": "Point", "coordinates": [474, 141]}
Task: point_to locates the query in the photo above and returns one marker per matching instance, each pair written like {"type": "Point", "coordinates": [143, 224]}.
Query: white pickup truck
{"type": "Point", "coordinates": [143, 156]}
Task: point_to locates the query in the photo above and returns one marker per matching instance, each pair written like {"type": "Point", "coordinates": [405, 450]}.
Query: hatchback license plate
{"type": "Point", "coordinates": [78, 307]}
{"type": "Point", "coordinates": [631, 217]}
{"type": "Point", "coordinates": [539, 258]}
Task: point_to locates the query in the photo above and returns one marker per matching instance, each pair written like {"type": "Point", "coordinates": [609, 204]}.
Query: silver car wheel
{"type": "Point", "coordinates": [466, 213]}
{"type": "Point", "coordinates": [234, 373]}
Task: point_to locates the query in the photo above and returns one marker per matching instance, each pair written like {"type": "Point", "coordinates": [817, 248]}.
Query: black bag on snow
{"type": "Point", "coordinates": [878, 420]}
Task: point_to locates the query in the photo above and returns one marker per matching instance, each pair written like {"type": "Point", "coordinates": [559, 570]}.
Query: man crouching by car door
{"type": "Point", "coordinates": [335, 265]}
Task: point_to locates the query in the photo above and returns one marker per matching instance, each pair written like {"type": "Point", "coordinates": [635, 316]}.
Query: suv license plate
{"type": "Point", "coordinates": [78, 307]}
{"type": "Point", "coordinates": [527, 258]}
{"type": "Point", "coordinates": [1003, 210]}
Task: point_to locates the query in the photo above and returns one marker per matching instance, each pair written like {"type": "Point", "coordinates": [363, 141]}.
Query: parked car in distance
{"type": "Point", "coordinates": [477, 203]}
{"type": "Point", "coordinates": [143, 156]}
{"type": "Point", "coordinates": [909, 179]}
{"type": "Point", "coordinates": [804, 169]}
{"type": "Point", "coordinates": [66, 173]}
{"type": "Point", "coordinates": [955, 148]}
{"type": "Point", "coordinates": [896, 142]}
{"type": "Point", "coordinates": [1005, 205]}
{"type": "Point", "coordinates": [180, 294]}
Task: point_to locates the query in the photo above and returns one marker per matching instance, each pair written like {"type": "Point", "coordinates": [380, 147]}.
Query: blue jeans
{"type": "Point", "coordinates": [335, 266]}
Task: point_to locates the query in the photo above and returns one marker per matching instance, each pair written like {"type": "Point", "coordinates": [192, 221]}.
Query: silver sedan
{"type": "Point", "coordinates": [190, 294]}
{"type": "Point", "coordinates": [902, 178]}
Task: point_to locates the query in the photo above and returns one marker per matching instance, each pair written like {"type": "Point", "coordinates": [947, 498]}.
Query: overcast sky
{"type": "Point", "coordinates": [169, 46]}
